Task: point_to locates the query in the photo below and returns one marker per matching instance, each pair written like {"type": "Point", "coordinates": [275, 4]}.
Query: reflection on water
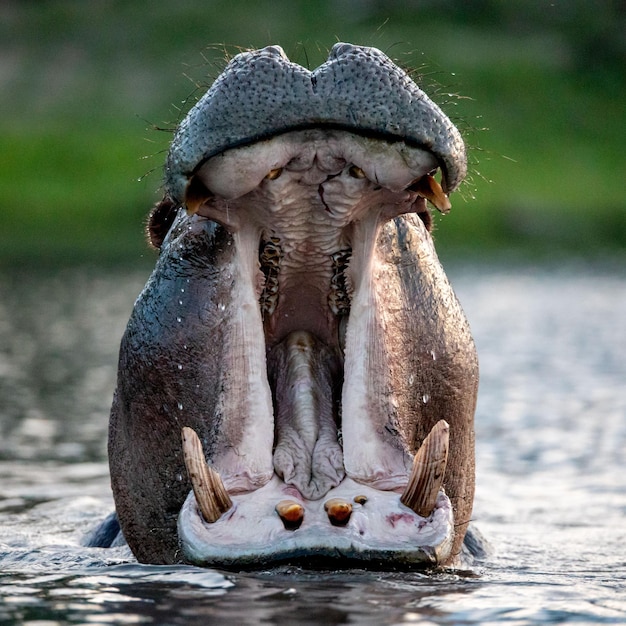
{"type": "Point", "coordinates": [551, 493]}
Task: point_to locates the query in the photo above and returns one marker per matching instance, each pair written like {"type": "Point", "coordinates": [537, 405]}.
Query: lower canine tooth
{"type": "Point", "coordinates": [338, 511]}
{"type": "Point", "coordinates": [291, 512]}
{"type": "Point", "coordinates": [211, 495]}
{"type": "Point", "coordinates": [429, 468]}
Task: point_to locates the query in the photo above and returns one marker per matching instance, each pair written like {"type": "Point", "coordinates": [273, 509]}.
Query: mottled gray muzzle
{"type": "Point", "coordinates": [262, 94]}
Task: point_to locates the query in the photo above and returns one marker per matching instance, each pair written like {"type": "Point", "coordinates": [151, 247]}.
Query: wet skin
{"type": "Point", "coordinates": [299, 321]}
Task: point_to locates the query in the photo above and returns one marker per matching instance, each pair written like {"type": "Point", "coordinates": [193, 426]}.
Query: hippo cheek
{"type": "Point", "coordinates": [300, 333]}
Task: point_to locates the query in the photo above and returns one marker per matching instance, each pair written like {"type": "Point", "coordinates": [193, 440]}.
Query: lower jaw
{"type": "Point", "coordinates": [379, 532]}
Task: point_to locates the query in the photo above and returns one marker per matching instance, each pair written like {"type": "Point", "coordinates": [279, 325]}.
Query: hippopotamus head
{"type": "Point", "coordinates": [297, 379]}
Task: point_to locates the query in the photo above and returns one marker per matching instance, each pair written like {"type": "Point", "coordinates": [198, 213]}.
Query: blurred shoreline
{"type": "Point", "coordinates": [90, 92]}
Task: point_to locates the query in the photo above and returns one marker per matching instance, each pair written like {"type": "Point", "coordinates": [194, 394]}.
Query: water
{"type": "Point", "coordinates": [551, 491]}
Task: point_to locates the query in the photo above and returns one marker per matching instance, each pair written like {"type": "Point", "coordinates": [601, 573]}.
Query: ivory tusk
{"type": "Point", "coordinates": [429, 468]}
{"type": "Point", "coordinates": [211, 495]}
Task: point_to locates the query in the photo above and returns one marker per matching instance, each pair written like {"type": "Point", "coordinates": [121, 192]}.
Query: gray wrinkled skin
{"type": "Point", "coordinates": [262, 94]}
{"type": "Point", "coordinates": [300, 322]}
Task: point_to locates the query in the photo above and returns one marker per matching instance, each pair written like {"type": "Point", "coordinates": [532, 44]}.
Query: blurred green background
{"type": "Point", "coordinates": [90, 91]}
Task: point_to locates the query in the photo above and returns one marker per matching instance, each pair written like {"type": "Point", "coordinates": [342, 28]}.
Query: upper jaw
{"type": "Point", "coordinates": [358, 89]}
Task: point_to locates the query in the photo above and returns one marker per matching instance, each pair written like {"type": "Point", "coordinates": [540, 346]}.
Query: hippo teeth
{"type": "Point", "coordinates": [429, 188]}
{"type": "Point", "coordinates": [196, 194]}
{"type": "Point", "coordinates": [211, 495]}
{"type": "Point", "coordinates": [429, 468]}
{"type": "Point", "coordinates": [338, 511]}
{"type": "Point", "coordinates": [291, 513]}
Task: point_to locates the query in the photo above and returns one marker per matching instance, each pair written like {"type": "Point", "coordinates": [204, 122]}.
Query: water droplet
{"type": "Point", "coordinates": [432, 353]}
{"type": "Point", "coordinates": [179, 319]}
{"type": "Point", "coordinates": [185, 346]}
{"type": "Point", "coordinates": [411, 379]}
{"type": "Point", "coordinates": [221, 306]}
{"type": "Point", "coordinates": [425, 398]}
{"type": "Point", "coordinates": [180, 367]}
{"type": "Point", "coordinates": [180, 404]}
{"type": "Point", "coordinates": [182, 290]}
{"type": "Point", "coordinates": [179, 478]}
{"type": "Point", "coordinates": [180, 302]}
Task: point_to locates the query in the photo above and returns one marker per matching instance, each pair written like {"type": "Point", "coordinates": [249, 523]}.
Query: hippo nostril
{"type": "Point", "coordinates": [275, 51]}
{"type": "Point", "coordinates": [340, 49]}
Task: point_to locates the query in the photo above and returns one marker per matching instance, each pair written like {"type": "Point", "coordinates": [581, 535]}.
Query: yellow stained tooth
{"type": "Point", "coordinates": [274, 174]}
{"type": "Point", "coordinates": [291, 512]}
{"type": "Point", "coordinates": [338, 510]}
{"type": "Point", "coordinates": [356, 172]}
{"type": "Point", "coordinates": [429, 188]}
{"type": "Point", "coordinates": [196, 194]}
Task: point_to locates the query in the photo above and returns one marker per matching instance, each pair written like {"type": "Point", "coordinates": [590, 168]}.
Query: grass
{"type": "Point", "coordinates": [84, 83]}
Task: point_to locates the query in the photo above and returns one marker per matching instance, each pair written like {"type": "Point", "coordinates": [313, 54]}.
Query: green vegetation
{"type": "Point", "coordinates": [537, 87]}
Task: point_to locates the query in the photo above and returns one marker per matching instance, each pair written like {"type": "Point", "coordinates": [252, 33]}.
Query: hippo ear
{"type": "Point", "coordinates": [160, 219]}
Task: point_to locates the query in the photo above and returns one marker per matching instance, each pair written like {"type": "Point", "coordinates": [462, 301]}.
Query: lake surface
{"type": "Point", "coordinates": [551, 463]}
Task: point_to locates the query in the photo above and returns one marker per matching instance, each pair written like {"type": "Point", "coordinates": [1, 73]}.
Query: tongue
{"type": "Point", "coordinates": [307, 455]}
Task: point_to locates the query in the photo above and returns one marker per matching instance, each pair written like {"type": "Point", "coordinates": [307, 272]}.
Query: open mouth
{"type": "Point", "coordinates": [318, 443]}
{"type": "Point", "coordinates": [299, 329]}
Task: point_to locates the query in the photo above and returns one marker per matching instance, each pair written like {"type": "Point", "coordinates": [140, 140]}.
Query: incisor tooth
{"type": "Point", "coordinates": [338, 511]}
{"type": "Point", "coordinates": [211, 495]}
{"type": "Point", "coordinates": [430, 189]}
{"type": "Point", "coordinates": [291, 512]}
{"type": "Point", "coordinates": [429, 468]}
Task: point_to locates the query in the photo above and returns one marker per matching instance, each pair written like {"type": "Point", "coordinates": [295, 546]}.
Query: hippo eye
{"type": "Point", "coordinates": [356, 172]}
{"type": "Point", "coordinates": [274, 174]}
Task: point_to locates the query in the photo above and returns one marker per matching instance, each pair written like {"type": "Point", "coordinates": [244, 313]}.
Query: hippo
{"type": "Point", "coordinates": [297, 381]}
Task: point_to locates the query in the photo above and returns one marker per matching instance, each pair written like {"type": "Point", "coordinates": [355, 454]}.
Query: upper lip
{"type": "Point", "coordinates": [261, 94]}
